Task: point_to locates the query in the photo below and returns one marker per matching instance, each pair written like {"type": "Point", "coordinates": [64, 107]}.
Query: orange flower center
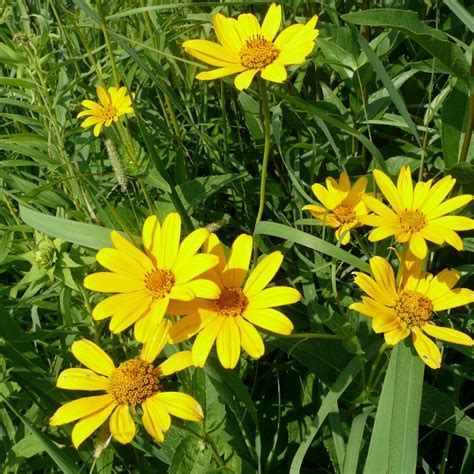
{"type": "Point", "coordinates": [344, 214]}
{"type": "Point", "coordinates": [133, 382]}
{"type": "Point", "coordinates": [231, 302]}
{"type": "Point", "coordinates": [159, 282]}
{"type": "Point", "coordinates": [412, 221]}
{"type": "Point", "coordinates": [413, 308]}
{"type": "Point", "coordinates": [258, 53]}
{"type": "Point", "coordinates": [109, 112]}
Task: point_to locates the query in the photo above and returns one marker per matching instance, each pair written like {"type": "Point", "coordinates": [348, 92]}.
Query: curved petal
{"type": "Point", "coordinates": [121, 302]}
{"type": "Point", "coordinates": [122, 426]}
{"type": "Point", "coordinates": [205, 340]}
{"type": "Point", "coordinates": [384, 276]}
{"type": "Point", "coordinates": [248, 26]}
{"type": "Point", "coordinates": [151, 236]}
{"type": "Point", "coordinates": [155, 344]}
{"type": "Point", "coordinates": [156, 419]}
{"type": "Point", "coordinates": [79, 408]}
{"type": "Point", "coordinates": [274, 296]}
{"type": "Point", "coordinates": [390, 218]}
{"type": "Point", "coordinates": [113, 283]}
{"type": "Point", "coordinates": [448, 335]}
{"type": "Point", "coordinates": [188, 326]}
{"type": "Point", "coordinates": [454, 222]}
{"type": "Point", "coordinates": [228, 343]}
{"type": "Point", "coordinates": [388, 190]}
{"type": "Point", "coordinates": [81, 379]}
{"type": "Point", "coordinates": [274, 72]}
{"type": "Point", "coordinates": [149, 322]}
{"type": "Point", "coordinates": [180, 405]}
{"type": "Point", "coordinates": [271, 23]}
{"type": "Point", "coordinates": [93, 357]}
{"type": "Point", "coordinates": [98, 128]}
{"type": "Point", "coordinates": [384, 323]}
{"type": "Point", "coordinates": [269, 319]}
{"type": "Point", "coordinates": [211, 53]}
{"type": "Point", "coordinates": [381, 233]}
{"type": "Point", "coordinates": [86, 426]}
{"type": "Point", "coordinates": [193, 267]}
{"type": "Point", "coordinates": [262, 274]}
{"type": "Point", "coordinates": [122, 244]}
{"type": "Point", "coordinates": [372, 288]}
{"type": "Point", "coordinates": [372, 308]}
{"type": "Point", "coordinates": [448, 206]}
{"type": "Point", "coordinates": [126, 315]}
{"type": "Point", "coordinates": [250, 339]}
{"type": "Point", "coordinates": [167, 251]}
{"type": "Point", "coordinates": [405, 187]}
{"type": "Point", "coordinates": [176, 362]}
{"type": "Point", "coordinates": [119, 262]}
{"type": "Point", "coordinates": [103, 95]}
{"type": "Point", "coordinates": [426, 349]}
{"type": "Point", "coordinates": [418, 246]}
{"type": "Point", "coordinates": [238, 262]}
{"type": "Point", "coordinates": [455, 298]}
{"type": "Point", "coordinates": [191, 245]}
{"type": "Point", "coordinates": [214, 246]}
{"type": "Point", "coordinates": [324, 197]}
{"type": "Point", "coordinates": [244, 79]}
{"type": "Point", "coordinates": [396, 335]}
{"type": "Point", "coordinates": [204, 289]}
{"type": "Point", "coordinates": [182, 292]}
{"type": "Point", "coordinates": [227, 34]}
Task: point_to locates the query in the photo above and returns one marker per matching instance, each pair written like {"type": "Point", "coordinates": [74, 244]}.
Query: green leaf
{"type": "Point", "coordinates": [463, 172]}
{"type": "Point", "coordinates": [251, 109]}
{"type": "Point", "coordinates": [191, 456]}
{"type": "Point", "coordinates": [354, 444]}
{"type": "Point", "coordinates": [302, 238]}
{"type": "Point", "coordinates": [461, 13]}
{"type": "Point", "coordinates": [434, 41]}
{"type": "Point", "coordinates": [394, 440]}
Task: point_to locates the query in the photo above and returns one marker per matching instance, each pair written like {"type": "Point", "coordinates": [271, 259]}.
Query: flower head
{"type": "Point", "coordinates": [113, 103]}
{"type": "Point", "coordinates": [230, 319]}
{"type": "Point", "coordinates": [134, 383]}
{"type": "Point", "coordinates": [343, 205]}
{"type": "Point", "coordinates": [247, 48]}
{"type": "Point", "coordinates": [417, 213]}
{"type": "Point", "coordinates": [146, 283]}
{"type": "Point", "coordinates": [408, 308]}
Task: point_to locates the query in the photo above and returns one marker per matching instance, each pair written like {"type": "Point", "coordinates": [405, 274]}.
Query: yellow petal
{"type": "Point", "coordinates": [122, 426]}
{"type": "Point", "coordinates": [389, 191]}
{"type": "Point", "coordinates": [151, 236]}
{"type": "Point", "coordinates": [90, 104]}
{"type": "Point", "coordinates": [149, 322]}
{"type": "Point", "coordinates": [269, 319]}
{"type": "Point", "coordinates": [175, 363]}
{"type": "Point", "coordinates": [180, 405]}
{"type": "Point", "coordinates": [86, 426]}
{"type": "Point", "coordinates": [103, 95]}
{"type": "Point", "coordinates": [119, 303]}
{"type": "Point", "coordinates": [204, 289]}
{"type": "Point", "coordinates": [227, 34]}
{"type": "Point", "coordinates": [182, 293]}
{"type": "Point", "coordinates": [426, 349]}
{"type": "Point", "coordinates": [238, 263]}
{"type": "Point", "coordinates": [122, 244]}
{"type": "Point", "coordinates": [112, 283]}
{"type": "Point", "coordinates": [454, 222]}
{"type": "Point", "coordinates": [214, 247]}
{"type": "Point", "coordinates": [418, 246]}
{"type": "Point", "coordinates": [81, 379]}
{"type": "Point", "coordinates": [396, 335]}
{"type": "Point", "coordinates": [384, 276]}
{"type": "Point", "coordinates": [372, 308]}
{"type": "Point", "coordinates": [159, 337]}
{"type": "Point", "coordinates": [405, 187]}
{"type": "Point", "coordinates": [453, 299]}
{"type": "Point", "coordinates": [79, 408]}
{"type": "Point", "coordinates": [437, 194]}
{"type": "Point", "coordinates": [248, 26]}
{"type": "Point", "coordinates": [448, 334]}
{"type": "Point", "coordinates": [384, 323]}
{"type": "Point", "coordinates": [91, 120]}
{"type": "Point", "coordinates": [263, 274]}
{"type": "Point", "coordinates": [205, 340]}
{"type": "Point", "coordinates": [193, 267]}
{"type": "Point", "coordinates": [244, 79]}
{"type": "Point", "coordinates": [228, 344]}
{"type": "Point", "coordinates": [211, 53]}
{"type": "Point", "coordinates": [275, 296]}
{"type": "Point", "coordinates": [191, 244]}
{"type": "Point", "coordinates": [188, 326]}
{"type": "Point", "coordinates": [324, 196]}
{"type": "Point", "coordinates": [250, 339]}
{"type": "Point", "coordinates": [274, 72]}
{"type": "Point", "coordinates": [155, 418]}
{"type": "Point", "coordinates": [271, 22]}
{"type": "Point", "coordinates": [221, 72]}
{"type": "Point", "coordinates": [126, 315]}
{"type": "Point", "coordinates": [390, 218]}
{"type": "Point", "coordinates": [167, 251]}
{"type": "Point", "coordinates": [449, 206]}
{"type": "Point", "coordinates": [93, 357]}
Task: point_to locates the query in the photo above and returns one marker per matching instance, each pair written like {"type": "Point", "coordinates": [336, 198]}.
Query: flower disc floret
{"type": "Point", "coordinates": [133, 382]}
{"type": "Point", "coordinates": [413, 308]}
{"type": "Point", "coordinates": [231, 302]}
{"type": "Point", "coordinates": [344, 214]}
{"type": "Point", "coordinates": [258, 53]}
{"type": "Point", "coordinates": [159, 282]}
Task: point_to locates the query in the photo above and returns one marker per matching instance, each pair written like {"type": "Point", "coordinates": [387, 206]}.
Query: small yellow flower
{"type": "Point", "coordinates": [113, 103]}
{"type": "Point", "coordinates": [134, 383]}
{"type": "Point", "coordinates": [230, 318]}
{"type": "Point", "coordinates": [247, 48]}
{"type": "Point", "coordinates": [418, 213]}
{"type": "Point", "coordinates": [400, 310]}
{"type": "Point", "coordinates": [147, 282]}
{"type": "Point", "coordinates": [343, 206]}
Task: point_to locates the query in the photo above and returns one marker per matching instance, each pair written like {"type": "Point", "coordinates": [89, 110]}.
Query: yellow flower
{"type": "Point", "coordinates": [230, 319]}
{"type": "Point", "coordinates": [408, 308]}
{"type": "Point", "coordinates": [343, 205]}
{"type": "Point", "coordinates": [247, 48]}
{"type": "Point", "coordinates": [134, 383]}
{"type": "Point", "coordinates": [146, 283]}
{"type": "Point", "coordinates": [113, 103]}
{"type": "Point", "coordinates": [417, 213]}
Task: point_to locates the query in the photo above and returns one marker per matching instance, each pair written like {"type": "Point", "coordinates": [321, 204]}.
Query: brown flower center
{"type": "Point", "coordinates": [412, 221]}
{"type": "Point", "coordinates": [413, 308]}
{"type": "Point", "coordinates": [133, 382]}
{"type": "Point", "coordinates": [231, 302]}
{"type": "Point", "coordinates": [344, 214]}
{"type": "Point", "coordinates": [159, 282]}
{"type": "Point", "coordinates": [109, 112]}
{"type": "Point", "coordinates": [258, 53]}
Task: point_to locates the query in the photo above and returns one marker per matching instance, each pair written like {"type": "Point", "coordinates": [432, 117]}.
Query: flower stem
{"type": "Point", "coordinates": [470, 120]}
{"type": "Point", "coordinates": [265, 118]}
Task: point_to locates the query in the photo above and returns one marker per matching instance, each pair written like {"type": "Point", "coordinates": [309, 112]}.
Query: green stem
{"type": "Point", "coordinates": [313, 335]}
{"type": "Point", "coordinates": [470, 120]}
{"type": "Point", "coordinates": [266, 150]}
{"type": "Point", "coordinates": [108, 43]}
{"type": "Point", "coordinates": [373, 370]}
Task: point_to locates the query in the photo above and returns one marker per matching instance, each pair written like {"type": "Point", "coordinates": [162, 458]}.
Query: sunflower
{"type": "Point", "coordinates": [343, 205]}
{"type": "Point", "coordinates": [231, 318]}
{"type": "Point", "coordinates": [418, 213]}
{"type": "Point", "coordinates": [247, 48]}
{"type": "Point", "coordinates": [134, 383]}
{"type": "Point", "coordinates": [146, 283]}
{"type": "Point", "coordinates": [113, 103]}
{"type": "Point", "coordinates": [408, 308]}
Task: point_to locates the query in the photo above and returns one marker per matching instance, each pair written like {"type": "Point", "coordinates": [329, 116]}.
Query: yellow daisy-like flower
{"type": "Point", "coordinates": [113, 103]}
{"type": "Point", "coordinates": [134, 383]}
{"type": "Point", "coordinates": [247, 48]}
{"type": "Point", "coordinates": [343, 206]}
{"type": "Point", "coordinates": [146, 283]}
{"type": "Point", "coordinates": [231, 317]}
{"type": "Point", "coordinates": [408, 308]}
{"type": "Point", "coordinates": [418, 213]}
